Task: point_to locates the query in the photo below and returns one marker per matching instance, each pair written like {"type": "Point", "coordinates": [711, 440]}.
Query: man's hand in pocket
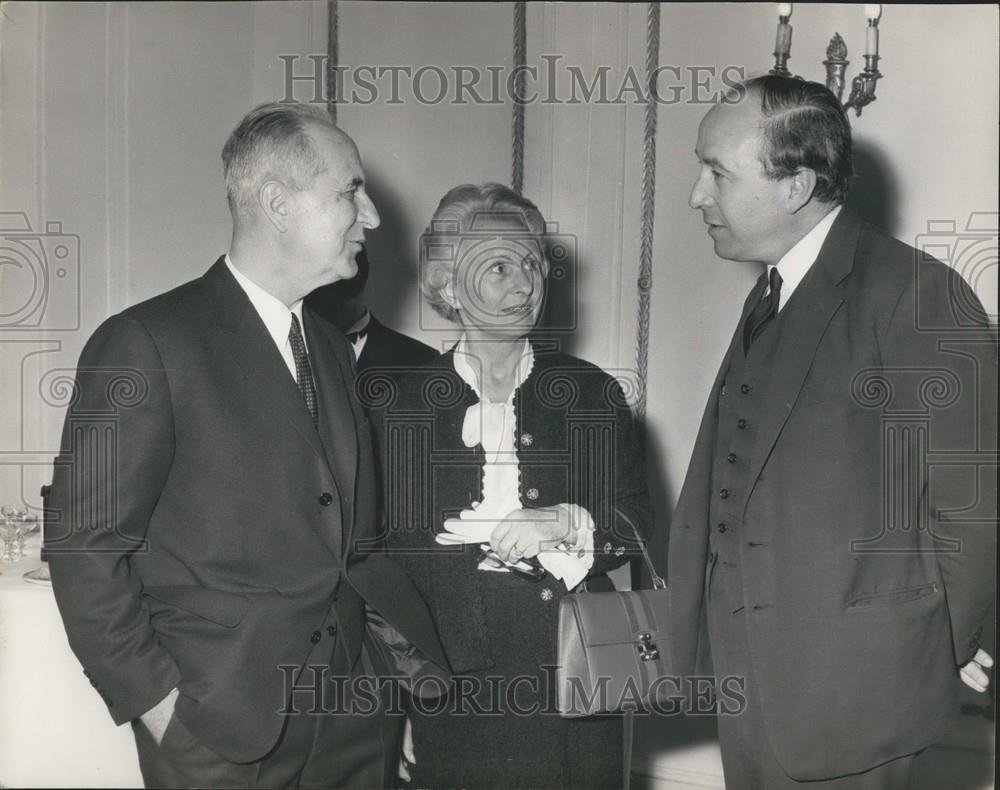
{"type": "Point", "coordinates": [157, 718]}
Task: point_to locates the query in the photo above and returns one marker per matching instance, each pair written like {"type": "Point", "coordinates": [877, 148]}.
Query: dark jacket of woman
{"type": "Point", "coordinates": [577, 443]}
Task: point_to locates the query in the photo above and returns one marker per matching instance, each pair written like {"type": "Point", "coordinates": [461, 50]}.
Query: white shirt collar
{"type": "Point", "coordinates": [468, 365]}
{"type": "Point", "coordinates": [277, 317]}
{"type": "Point", "coordinates": [795, 263]}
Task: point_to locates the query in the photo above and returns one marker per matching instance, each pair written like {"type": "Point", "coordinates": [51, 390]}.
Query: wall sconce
{"type": "Point", "coordinates": [836, 63]}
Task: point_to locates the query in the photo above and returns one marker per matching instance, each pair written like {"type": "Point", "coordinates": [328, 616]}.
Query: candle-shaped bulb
{"type": "Point", "coordinates": [783, 38]}
{"type": "Point", "coordinates": [873, 12]}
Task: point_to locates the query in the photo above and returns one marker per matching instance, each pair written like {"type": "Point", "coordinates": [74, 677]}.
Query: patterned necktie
{"type": "Point", "coordinates": [303, 372]}
{"type": "Point", "coordinates": [763, 313]}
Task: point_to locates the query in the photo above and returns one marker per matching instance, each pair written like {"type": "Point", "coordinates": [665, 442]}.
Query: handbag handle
{"type": "Point", "coordinates": [658, 582]}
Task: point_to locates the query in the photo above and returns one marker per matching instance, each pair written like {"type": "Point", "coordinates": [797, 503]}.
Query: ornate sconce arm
{"type": "Point", "coordinates": [836, 63]}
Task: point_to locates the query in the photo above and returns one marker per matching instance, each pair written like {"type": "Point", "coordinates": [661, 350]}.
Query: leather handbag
{"type": "Point", "coordinates": [613, 655]}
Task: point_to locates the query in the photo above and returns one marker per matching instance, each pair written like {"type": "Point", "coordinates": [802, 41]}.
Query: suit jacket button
{"type": "Point", "coordinates": [744, 388]}
{"type": "Point", "coordinates": [724, 493]}
{"type": "Point", "coordinates": [315, 637]}
{"type": "Point", "coordinates": [326, 499]}
{"type": "Point", "coordinates": [722, 526]}
{"type": "Point", "coordinates": [731, 458]}
{"type": "Point", "coordinates": [741, 424]}
{"type": "Point", "coordinates": [532, 494]}
{"type": "Point", "coordinates": [331, 630]}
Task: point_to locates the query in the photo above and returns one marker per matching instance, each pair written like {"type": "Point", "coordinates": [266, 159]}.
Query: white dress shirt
{"type": "Point", "coordinates": [277, 317]}
{"type": "Point", "coordinates": [796, 263]}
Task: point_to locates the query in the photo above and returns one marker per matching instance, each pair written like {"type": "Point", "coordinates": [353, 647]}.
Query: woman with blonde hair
{"type": "Point", "coordinates": [512, 474]}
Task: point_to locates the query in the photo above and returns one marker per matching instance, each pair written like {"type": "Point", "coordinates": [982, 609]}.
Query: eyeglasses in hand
{"type": "Point", "coordinates": [525, 568]}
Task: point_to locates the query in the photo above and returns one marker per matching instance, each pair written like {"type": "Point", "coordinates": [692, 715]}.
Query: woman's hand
{"type": "Point", "coordinates": [529, 531]}
{"type": "Point", "coordinates": [974, 674]}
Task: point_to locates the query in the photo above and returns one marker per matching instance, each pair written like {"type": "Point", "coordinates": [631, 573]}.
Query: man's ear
{"type": "Point", "coordinates": [801, 186]}
{"type": "Point", "coordinates": [273, 201]}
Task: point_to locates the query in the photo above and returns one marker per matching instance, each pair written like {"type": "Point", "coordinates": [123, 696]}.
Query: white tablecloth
{"type": "Point", "coordinates": [54, 729]}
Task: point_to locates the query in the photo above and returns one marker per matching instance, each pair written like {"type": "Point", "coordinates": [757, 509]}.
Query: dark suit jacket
{"type": "Point", "coordinates": [868, 564]}
{"type": "Point", "coordinates": [387, 348]}
{"type": "Point", "coordinates": [206, 526]}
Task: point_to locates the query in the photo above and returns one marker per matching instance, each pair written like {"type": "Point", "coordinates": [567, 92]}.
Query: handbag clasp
{"type": "Point", "coordinates": [648, 651]}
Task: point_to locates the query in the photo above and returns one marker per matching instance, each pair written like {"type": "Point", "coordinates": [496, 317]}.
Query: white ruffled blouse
{"type": "Point", "coordinates": [493, 426]}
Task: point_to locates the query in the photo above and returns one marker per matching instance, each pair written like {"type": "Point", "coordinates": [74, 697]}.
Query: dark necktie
{"type": "Point", "coordinates": [303, 372]}
{"type": "Point", "coordinates": [354, 337]}
{"type": "Point", "coordinates": [763, 313]}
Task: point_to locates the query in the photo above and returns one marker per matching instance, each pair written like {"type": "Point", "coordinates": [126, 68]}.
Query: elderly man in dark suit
{"type": "Point", "coordinates": [833, 544]}
{"type": "Point", "coordinates": [376, 346]}
{"type": "Point", "coordinates": [215, 484]}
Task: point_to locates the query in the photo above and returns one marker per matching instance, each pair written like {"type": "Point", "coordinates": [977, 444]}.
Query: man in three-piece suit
{"type": "Point", "coordinates": [833, 544]}
{"type": "Point", "coordinates": [216, 485]}
{"type": "Point", "coordinates": [376, 346]}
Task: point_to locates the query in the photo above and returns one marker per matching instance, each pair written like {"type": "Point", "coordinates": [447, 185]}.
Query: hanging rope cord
{"type": "Point", "coordinates": [332, 22]}
{"type": "Point", "coordinates": [517, 113]}
{"type": "Point", "coordinates": [647, 206]}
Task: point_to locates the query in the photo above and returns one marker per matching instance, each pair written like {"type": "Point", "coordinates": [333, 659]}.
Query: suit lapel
{"type": "Point", "coordinates": [337, 420]}
{"type": "Point", "coordinates": [814, 304]}
{"type": "Point", "coordinates": [736, 344]}
{"type": "Point", "coordinates": [253, 350]}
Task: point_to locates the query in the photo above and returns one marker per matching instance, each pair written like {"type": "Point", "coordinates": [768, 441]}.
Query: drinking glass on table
{"type": "Point", "coordinates": [27, 525]}
{"type": "Point", "coordinates": [9, 531]}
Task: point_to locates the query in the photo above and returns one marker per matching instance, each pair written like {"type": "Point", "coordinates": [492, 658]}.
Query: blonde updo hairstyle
{"type": "Point", "coordinates": [455, 216]}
